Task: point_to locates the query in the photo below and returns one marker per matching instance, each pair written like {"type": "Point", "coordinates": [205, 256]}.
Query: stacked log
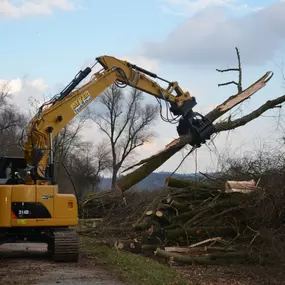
{"type": "Point", "coordinates": [191, 222]}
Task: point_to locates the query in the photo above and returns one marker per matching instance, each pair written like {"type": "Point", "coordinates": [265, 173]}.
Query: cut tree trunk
{"type": "Point", "coordinates": [181, 183]}
{"type": "Point", "coordinates": [207, 259]}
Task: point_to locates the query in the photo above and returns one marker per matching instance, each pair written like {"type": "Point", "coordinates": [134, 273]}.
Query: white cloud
{"type": "Point", "coordinates": [24, 91]}
{"type": "Point", "coordinates": [190, 7]}
{"type": "Point", "coordinates": [210, 36]}
{"type": "Point", "coordinates": [23, 8]}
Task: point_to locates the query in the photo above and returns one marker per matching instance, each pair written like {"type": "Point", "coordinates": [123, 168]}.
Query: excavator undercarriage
{"type": "Point", "coordinates": [62, 243]}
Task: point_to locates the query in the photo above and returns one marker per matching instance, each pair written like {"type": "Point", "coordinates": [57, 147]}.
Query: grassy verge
{"type": "Point", "coordinates": [131, 268]}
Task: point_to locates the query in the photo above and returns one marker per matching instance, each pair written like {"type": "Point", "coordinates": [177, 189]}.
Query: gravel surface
{"type": "Point", "coordinates": [29, 264]}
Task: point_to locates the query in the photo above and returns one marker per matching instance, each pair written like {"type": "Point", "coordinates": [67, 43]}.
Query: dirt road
{"type": "Point", "coordinates": [29, 264]}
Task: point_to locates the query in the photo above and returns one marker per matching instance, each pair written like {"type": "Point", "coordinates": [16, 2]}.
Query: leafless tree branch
{"type": "Point", "coordinates": [239, 69]}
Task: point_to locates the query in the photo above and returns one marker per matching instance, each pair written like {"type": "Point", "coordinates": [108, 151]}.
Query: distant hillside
{"type": "Point", "coordinates": [154, 180]}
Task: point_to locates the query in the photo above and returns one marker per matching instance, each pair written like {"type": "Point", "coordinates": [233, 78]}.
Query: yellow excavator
{"type": "Point", "coordinates": [31, 208]}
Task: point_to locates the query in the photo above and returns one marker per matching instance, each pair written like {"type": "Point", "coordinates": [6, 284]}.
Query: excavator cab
{"type": "Point", "coordinates": [10, 170]}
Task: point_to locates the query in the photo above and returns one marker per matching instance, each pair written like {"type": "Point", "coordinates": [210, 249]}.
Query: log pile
{"type": "Point", "coordinates": [186, 221]}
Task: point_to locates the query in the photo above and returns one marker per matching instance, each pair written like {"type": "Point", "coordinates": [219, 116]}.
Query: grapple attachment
{"type": "Point", "coordinates": [198, 126]}
{"type": "Point", "coordinates": [192, 123]}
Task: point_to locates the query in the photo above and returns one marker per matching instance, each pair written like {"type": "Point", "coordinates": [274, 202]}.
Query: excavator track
{"type": "Point", "coordinates": [65, 246]}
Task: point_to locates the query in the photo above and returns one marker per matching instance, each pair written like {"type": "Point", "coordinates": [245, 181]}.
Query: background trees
{"type": "Point", "coordinates": [78, 163]}
{"type": "Point", "coordinates": [11, 123]}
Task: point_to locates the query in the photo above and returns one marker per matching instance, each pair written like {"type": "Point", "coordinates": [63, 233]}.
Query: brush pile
{"type": "Point", "coordinates": [187, 222]}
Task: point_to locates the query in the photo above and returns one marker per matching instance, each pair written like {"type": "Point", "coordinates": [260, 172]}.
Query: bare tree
{"type": "Point", "coordinates": [67, 141]}
{"type": "Point", "coordinates": [78, 162]}
{"type": "Point", "coordinates": [126, 122]}
{"type": "Point", "coordinates": [86, 164]}
{"type": "Point", "coordinates": [12, 121]}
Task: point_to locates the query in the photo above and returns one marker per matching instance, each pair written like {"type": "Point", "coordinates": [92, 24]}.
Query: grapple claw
{"type": "Point", "coordinates": [198, 126]}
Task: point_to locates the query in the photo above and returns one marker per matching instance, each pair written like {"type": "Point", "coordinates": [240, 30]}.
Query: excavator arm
{"type": "Point", "coordinates": [60, 110]}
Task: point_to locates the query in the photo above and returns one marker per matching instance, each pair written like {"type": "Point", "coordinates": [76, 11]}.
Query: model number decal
{"type": "Point", "coordinates": [46, 197]}
{"type": "Point", "coordinates": [81, 102]}
{"type": "Point", "coordinates": [24, 212]}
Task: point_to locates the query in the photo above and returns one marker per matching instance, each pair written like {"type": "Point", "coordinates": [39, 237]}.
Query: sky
{"type": "Point", "coordinates": [46, 42]}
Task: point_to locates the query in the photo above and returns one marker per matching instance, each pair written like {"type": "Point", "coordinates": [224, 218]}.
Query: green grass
{"type": "Point", "coordinates": [131, 268]}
